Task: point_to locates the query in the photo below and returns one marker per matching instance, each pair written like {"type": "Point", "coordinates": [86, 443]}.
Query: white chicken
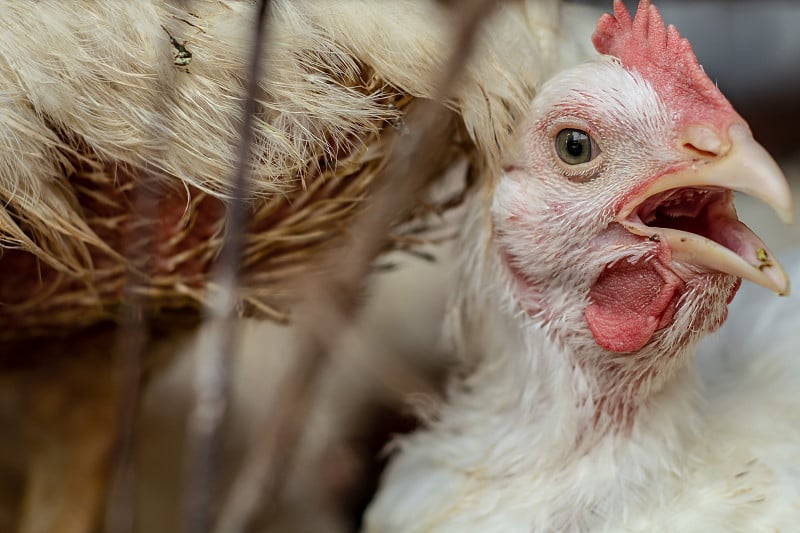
{"type": "Point", "coordinates": [608, 249]}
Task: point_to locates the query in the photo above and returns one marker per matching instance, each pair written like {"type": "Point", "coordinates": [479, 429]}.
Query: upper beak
{"type": "Point", "coordinates": [744, 166]}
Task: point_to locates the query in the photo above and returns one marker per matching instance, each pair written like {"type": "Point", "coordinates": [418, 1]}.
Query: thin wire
{"type": "Point", "coordinates": [131, 343]}
{"type": "Point", "coordinates": [218, 343]}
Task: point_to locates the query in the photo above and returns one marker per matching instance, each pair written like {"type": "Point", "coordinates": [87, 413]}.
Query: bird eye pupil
{"type": "Point", "coordinates": [574, 146]}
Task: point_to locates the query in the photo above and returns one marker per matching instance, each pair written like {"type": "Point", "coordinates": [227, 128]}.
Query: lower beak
{"type": "Point", "coordinates": [745, 167]}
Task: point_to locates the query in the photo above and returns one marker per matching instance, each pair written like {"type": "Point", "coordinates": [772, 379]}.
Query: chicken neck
{"type": "Point", "coordinates": [552, 414]}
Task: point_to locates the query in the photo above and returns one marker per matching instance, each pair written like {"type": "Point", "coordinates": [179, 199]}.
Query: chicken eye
{"type": "Point", "coordinates": [575, 146]}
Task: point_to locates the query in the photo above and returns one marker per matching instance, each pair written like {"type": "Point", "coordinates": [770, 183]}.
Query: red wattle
{"type": "Point", "coordinates": [630, 302]}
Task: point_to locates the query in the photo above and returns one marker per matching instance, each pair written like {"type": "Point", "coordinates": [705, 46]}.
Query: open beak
{"type": "Point", "coordinates": [692, 210]}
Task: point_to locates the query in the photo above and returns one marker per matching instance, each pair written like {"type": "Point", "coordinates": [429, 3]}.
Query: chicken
{"type": "Point", "coordinates": [119, 129]}
{"type": "Point", "coordinates": [608, 248]}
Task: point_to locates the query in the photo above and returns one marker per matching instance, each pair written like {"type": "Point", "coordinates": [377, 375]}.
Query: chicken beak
{"type": "Point", "coordinates": [743, 166]}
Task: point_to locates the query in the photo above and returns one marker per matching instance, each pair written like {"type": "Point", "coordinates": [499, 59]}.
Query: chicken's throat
{"type": "Point", "coordinates": [690, 210]}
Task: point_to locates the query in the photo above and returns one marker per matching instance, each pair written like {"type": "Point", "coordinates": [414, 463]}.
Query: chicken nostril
{"type": "Point", "coordinates": [699, 151]}
{"type": "Point", "coordinates": [703, 141]}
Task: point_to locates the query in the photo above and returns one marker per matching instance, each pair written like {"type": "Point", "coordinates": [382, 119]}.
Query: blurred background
{"type": "Point", "coordinates": [367, 389]}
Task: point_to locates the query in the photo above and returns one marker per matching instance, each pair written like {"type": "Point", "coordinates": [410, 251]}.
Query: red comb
{"type": "Point", "coordinates": [662, 57]}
